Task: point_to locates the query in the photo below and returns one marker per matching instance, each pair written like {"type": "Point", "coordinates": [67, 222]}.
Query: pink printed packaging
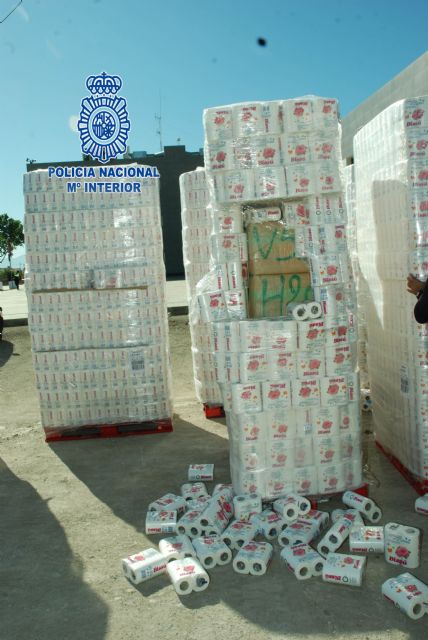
{"type": "Point", "coordinates": [334, 391]}
{"type": "Point", "coordinates": [306, 393]}
{"type": "Point", "coordinates": [276, 395]}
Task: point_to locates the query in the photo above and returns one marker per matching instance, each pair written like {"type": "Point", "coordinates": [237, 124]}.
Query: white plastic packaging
{"type": "Point", "coordinates": [402, 545]}
{"type": "Point", "coordinates": [366, 506]}
{"type": "Point", "coordinates": [238, 533]}
{"type": "Point", "coordinates": [200, 472]}
{"type": "Point", "coordinates": [366, 540]}
{"type": "Point", "coordinates": [344, 569]}
{"type": "Point", "coordinates": [212, 551]}
{"type": "Point", "coordinates": [421, 505]}
{"type": "Point", "coordinates": [409, 594]}
{"type": "Point", "coordinates": [176, 548]}
{"type": "Point", "coordinates": [187, 575]}
{"type": "Point", "coordinates": [245, 505]}
{"type": "Point", "coordinates": [191, 491]}
{"type": "Point", "coordinates": [144, 565]}
{"type": "Point", "coordinates": [161, 522]}
{"type": "Point", "coordinates": [303, 561]}
{"type": "Point", "coordinates": [253, 558]}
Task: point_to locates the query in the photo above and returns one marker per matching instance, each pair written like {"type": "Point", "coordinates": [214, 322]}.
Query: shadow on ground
{"type": "Point", "coordinates": [42, 593]}
{"type": "Point", "coordinates": [6, 350]}
{"type": "Point", "coordinates": [128, 473]}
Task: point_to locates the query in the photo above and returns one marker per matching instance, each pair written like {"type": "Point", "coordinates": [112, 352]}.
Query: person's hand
{"type": "Point", "coordinates": [414, 285]}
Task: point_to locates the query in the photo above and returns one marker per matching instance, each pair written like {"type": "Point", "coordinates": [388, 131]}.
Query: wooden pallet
{"type": "Point", "coordinates": [213, 410]}
{"type": "Point", "coordinates": [419, 484]}
{"type": "Point", "coordinates": [58, 434]}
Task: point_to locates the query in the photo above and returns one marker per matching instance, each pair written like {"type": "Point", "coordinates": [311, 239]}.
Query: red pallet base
{"type": "Point", "coordinates": [419, 484]}
{"type": "Point", "coordinates": [213, 410]}
{"type": "Point", "coordinates": [108, 430]}
{"type": "Point", "coordinates": [316, 501]}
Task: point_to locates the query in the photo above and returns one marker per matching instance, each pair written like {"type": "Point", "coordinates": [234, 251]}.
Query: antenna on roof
{"type": "Point", "coordinates": [158, 118]}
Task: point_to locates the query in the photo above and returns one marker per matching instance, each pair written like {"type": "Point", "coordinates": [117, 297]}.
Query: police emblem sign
{"type": "Point", "coordinates": [103, 121]}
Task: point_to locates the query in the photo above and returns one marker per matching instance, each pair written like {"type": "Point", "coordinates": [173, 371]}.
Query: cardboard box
{"type": "Point", "coordinates": [270, 294]}
{"type": "Point", "coordinates": [271, 249]}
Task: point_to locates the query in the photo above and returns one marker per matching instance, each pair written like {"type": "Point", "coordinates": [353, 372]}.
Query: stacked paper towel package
{"type": "Point", "coordinates": [199, 532]}
{"type": "Point", "coordinates": [96, 300]}
{"type": "Point", "coordinates": [197, 226]}
{"type": "Point", "coordinates": [392, 204]}
{"type": "Point", "coordinates": [360, 284]}
{"type": "Point", "coordinates": [280, 298]}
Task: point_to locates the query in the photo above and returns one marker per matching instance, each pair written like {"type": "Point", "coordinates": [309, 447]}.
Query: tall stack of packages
{"type": "Point", "coordinates": [196, 228]}
{"type": "Point", "coordinates": [97, 310]}
{"type": "Point", "coordinates": [360, 283]}
{"type": "Point", "coordinates": [285, 350]}
{"type": "Point", "coordinates": [391, 160]}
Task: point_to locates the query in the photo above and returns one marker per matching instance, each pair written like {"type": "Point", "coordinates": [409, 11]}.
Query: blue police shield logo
{"type": "Point", "coordinates": [103, 121]}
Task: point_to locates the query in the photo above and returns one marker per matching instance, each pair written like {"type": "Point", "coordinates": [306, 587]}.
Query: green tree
{"type": "Point", "coordinates": [11, 236]}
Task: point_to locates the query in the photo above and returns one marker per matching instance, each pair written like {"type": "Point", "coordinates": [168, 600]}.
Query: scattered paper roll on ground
{"type": "Point", "coordinates": [144, 565]}
{"type": "Point", "coordinates": [409, 594]}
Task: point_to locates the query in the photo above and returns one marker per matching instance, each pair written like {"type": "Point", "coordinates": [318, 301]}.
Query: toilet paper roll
{"type": "Point", "coordinates": [282, 334]}
{"type": "Point", "coordinates": [402, 545]}
{"type": "Point", "coordinates": [298, 532]}
{"type": "Point", "coordinates": [280, 454]}
{"type": "Point", "coordinates": [270, 182]}
{"type": "Point", "coordinates": [421, 504]}
{"type": "Point", "coordinates": [306, 480]}
{"type": "Point", "coordinates": [366, 506]}
{"type": "Point", "coordinates": [320, 518]}
{"type": "Point", "coordinates": [276, 395]}
{"type": "Point", "coordinates": [237, 186]}
{"type": "Point", "coordinates": [246, 505]}
{"type": "Point", "coordinates": [224, 494]}
{"type": "Point", "coordinates": [265, 214]}
{"type": "Point", "coordinates": [187, 575]}
{"type": "Point", "coordinates": [213, 517]}
{"type": "Point", "coordinates": [246, 398]}
{"type": "Point", "coordinates": [191, 491]}
{"type": "Point", "coordinates": [334, 391]}
{"type": "Point", "coordinates": [282, 364]}
{"type": "Point", "coordinates": [306, 393]}
{"type": "Point", "coordinates": [213, 306]}
{"type": "Point", "coordinates": [253, 366]}
{"type": "Point", "coordinates": [366, 540]}
{"type": "Point", "coordinates": [337, 514]}
{"type": "Point", "coordinates": [253, 335]}
{"type": "Point", "coordinates": [189, 524]}
{"type": "Point", "coordinates": [254, 558]}
{"type": "Point", "coordinates": [200, 472]}
{"type": "Point", "coordinates": [249, 427]}
{"type": "Point", "coordinates": [212, 551]}
{"type": "Point", "coordinates": [311, 334]}
{"type": "Point", "coordinates": [331, 478]}
{"type": "Point", "coordinates": [325, 421]}
{"type": "Point", "coordinates": [247, 119]}
{"type": "Point", "coordinates": [144, 565]}
{"type": "Point", "coordinates": [314, 310]}
{"type": "Point", "coordinates": [170, 502]}
{"type": "Point", "coordinates": [300, 312]}
{"type": "Point", "coordinates": [409, 594]}
{"type": "Point", "coordinates": [161, 521]}
{"type": "Point", "coordinates": [334, 538]}
{"type": "Point", "coordinates": [176, 548]}
{"type": "Point", "coordinates": [238, 533]}
{"type": "Point", "coordinates": [303, 561]}
{"type": "Point", "coordinates": [198, 504]}
{"type": "Point", "coordinates": [280, 425]}
{"type": "Point", "coordinates": [344, 569]}
{"type": "Point", "coordinates": [268, 523]}
{"type": "Point", "coordinates": [287, 508]}
{"type": "Point", "coordinates": [327, 450]}
{"type": "Point", "coordinates": [218, 123]}
{"type": "Point", "coordinates": [278, 482]}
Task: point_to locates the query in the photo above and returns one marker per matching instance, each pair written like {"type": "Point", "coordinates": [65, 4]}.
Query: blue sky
{"type": "Point", "coordinates": [195, 54]}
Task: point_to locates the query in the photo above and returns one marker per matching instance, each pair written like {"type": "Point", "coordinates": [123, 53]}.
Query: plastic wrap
{"type": "Point", "coordinates": [96, 300]}
{"type": "Point", "coordinates": [391, 169]}
{"type": "Point", "coordinates": [289, 386]}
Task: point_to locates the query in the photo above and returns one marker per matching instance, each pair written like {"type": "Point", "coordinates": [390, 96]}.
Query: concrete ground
{"type": "Point", "coordinates": [70, 511]}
